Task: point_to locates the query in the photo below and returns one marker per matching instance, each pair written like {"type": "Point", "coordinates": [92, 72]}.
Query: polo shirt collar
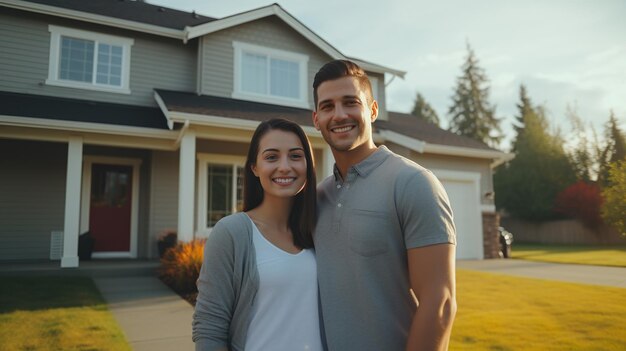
{"type": "Point", "coordinates": [366, 166]}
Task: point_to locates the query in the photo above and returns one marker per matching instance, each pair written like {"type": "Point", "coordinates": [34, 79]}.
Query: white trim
{"type": "Point", "coordinates": [89, 127]}
{"type": "Point", "coordinates": [56, 32]}
{"type": "Point", "coordinates": [474, 208]}
{"type": "Point", "coordinates": [302, 61]}
{"type": "Point", "coordinates": [402, 140]}
{"type": "Point", "coordinates": [163, 107]}
{"type": "Point", "coordinates": [204, 159]}
{"type": "Point", "coordinates": [88, 162]}
{"type": "Point", "coordinates": [328, 161]}
{"type": "Point", "coordinates": [71, 222]}
{"type": "Point", "coordinates": [424, 147]}
{"type": "Point", "coordinates": [274, 9]}
{"type": "Point", "coordinates": [186, 185]}
{"type": "Point", "coordinates": [374, 83]}
{"type": "Point", "coordinates": [488, 208]}
{"type": "Point", "coordinates": [93, 18]}
{"type": "Point", "coordinates": [112, 254]}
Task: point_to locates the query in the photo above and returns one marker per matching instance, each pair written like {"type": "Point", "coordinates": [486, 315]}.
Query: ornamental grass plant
{"type": "Point", "coordinates": [180, 268]}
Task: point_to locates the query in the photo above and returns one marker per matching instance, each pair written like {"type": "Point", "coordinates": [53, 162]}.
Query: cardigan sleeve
{"type": "Point", "coordinates": [216, 294]}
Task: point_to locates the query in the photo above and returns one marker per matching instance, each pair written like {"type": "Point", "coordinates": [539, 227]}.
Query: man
{"type": "Point", "coordinates": [384, 228]}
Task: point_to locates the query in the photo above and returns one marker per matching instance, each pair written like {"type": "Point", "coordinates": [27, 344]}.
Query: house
{"type": "Point", "coordinates": [129, 120]}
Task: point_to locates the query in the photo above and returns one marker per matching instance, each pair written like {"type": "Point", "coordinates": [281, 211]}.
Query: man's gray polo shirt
{"type": "Point", "coordinates": [365, 224]}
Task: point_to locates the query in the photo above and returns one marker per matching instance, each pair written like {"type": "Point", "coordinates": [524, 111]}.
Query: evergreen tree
{"type": "Point", "coordinates": [615, 149]}
{"type": "Point", "coordinates": [471, 114]}
{"type": "Point", "coordinates": [423, 110]}
{"type": "Point", "coordinates": [527, 186]}
{"type": "Point", "coordinates": [585, 155]}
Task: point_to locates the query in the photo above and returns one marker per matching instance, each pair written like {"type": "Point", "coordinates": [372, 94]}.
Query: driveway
{"type": "Point", "coordinates": [573, 273]}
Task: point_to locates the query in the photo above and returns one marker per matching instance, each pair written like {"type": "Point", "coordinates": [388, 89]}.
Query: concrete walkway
{"type": "Point", "coordinates": [574, 273]}
{"type": "Point", "coordinates": [152, 316]}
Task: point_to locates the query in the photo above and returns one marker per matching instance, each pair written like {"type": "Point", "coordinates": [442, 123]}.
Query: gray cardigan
{"type": "Point", "coordinates": [228, 283]}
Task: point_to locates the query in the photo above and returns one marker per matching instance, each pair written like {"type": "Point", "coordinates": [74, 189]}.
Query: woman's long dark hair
{"type": "Point", "coordinates": [302, 215]}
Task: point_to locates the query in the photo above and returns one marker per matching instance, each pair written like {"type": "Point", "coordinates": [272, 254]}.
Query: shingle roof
{"type": "Point", "coordinates": [54, 108]}
{"type": "Point", "coordinates": [207, 105]}
{"type": "Point", "coordinates": [416, 128]}
{"type": "Point", "coordinates": [401, 123]}
{"type": "Point", "coordinates": [138, 11]}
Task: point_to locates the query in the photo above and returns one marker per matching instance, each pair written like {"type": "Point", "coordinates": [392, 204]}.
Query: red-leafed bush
{"type": "Point", "coordinates": [581, 201]}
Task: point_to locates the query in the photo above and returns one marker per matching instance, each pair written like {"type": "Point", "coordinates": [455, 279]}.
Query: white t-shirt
{"type": "Point", "coordinates": [285, 314]}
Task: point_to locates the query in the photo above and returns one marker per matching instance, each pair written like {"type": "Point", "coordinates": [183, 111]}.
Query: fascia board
{"type": "Point", "coordinates": [93, 18]}
{"type": "Point", "coordinates": [225, 122]}
{"type": "Point", "coordinates": [166, 112]}
{"type": "Point", "coordinates": [85, 127]}
{"type": "Point", "coordinates": [235, 20]}
{"type": "Point", "coordinates": [424, 147]}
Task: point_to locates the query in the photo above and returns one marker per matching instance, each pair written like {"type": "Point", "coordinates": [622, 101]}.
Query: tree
{"type": "Point", "coordinates": [527, 186]}
{"type": "Point", "coordinates": [585, 152]}
{"type": "Point", "coordinates": [471, 114]}
{"type": "Point", "coordinates": [614, 208]}
{"type": "Point", "coordinates": [615, 149]}
{"type": "Point", "coordinates": [423, 110]}
{"type": "Point", "coordinates": [582, 201]}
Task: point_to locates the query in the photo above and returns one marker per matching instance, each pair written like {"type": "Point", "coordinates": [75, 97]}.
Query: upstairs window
{"type": "Point", "coordinates": [86, 60]}
{"type": "Point", "coordinates": [270, 75]}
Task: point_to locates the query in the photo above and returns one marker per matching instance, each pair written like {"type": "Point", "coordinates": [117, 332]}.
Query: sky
{"type": "Point", "coordinates": [566, 52]}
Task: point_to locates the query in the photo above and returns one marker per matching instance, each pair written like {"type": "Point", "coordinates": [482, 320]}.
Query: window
{"type": "Point", "coordinates": [80, 59]}
{"type": "Point", "coordinates": [220, 188]}
{"type": "Point", "coordinates": [269, 75]}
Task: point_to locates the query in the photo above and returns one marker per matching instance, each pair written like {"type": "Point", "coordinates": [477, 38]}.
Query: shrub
{"type": "Point", "coordinates": [581, 201]}
{"type": "Point", "coordinates": [614, 209]}
{"type": "Point", "coordinates": [180, 266]}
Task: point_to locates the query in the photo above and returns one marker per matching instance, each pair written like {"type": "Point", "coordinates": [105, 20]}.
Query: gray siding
{"type": "Point", "coordinates": [163, 196]}
{"type": "Point", "coordinates": [156, 62]}
{"type": "Point", "coordinates": [32, 197]}
{"type": "Point", "coordinates": [271, 32]}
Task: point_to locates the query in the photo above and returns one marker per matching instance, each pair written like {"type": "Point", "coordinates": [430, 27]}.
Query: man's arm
{"type": "Point", "coordinates": [432, 278]}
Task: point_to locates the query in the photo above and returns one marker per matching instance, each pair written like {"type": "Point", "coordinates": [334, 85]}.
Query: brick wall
{"type": "Point", "coordinates": [491, 242]}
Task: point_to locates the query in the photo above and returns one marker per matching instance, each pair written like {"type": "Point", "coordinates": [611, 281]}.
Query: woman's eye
{"type": "Point", "coordinates": [270, 157]}
{"type": "Point", "coordinates": [296, 156]}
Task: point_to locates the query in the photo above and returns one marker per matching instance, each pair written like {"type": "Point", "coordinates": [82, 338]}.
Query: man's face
{"type": "Point", "coordinates": [344, 116]}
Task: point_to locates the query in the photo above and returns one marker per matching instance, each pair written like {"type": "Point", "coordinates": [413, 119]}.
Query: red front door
{"type": "Point", "coordinates": [110, 208]}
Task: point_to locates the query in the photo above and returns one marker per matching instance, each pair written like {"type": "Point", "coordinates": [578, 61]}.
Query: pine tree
{"type": "Point", "coordinates": [471, 114]}
{"type": "Point", "coordinates": [615, 149]}
{"type": "Point", "coordinates": [527, 186]}
{"type": "Point", "coordinates": [423, 110]}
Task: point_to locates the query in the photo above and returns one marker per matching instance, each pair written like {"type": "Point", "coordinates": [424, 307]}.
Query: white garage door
{"type": "Point", "coordinates": [462, 189]}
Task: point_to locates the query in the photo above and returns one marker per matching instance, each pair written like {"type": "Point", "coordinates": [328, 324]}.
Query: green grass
{"type": "Point", "coordinates": [56, 313]}
{"type": "Point", "coordinates": [498, 312]}
{"type": "Point", "coordinates": [614, 255]}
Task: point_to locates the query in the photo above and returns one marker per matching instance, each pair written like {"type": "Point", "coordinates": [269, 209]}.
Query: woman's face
{"type": "Point", "coordinates": [280, 164]}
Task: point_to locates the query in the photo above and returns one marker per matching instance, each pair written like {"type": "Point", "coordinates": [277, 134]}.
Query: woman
{"type": "Point", "coordinates": [258, 282]}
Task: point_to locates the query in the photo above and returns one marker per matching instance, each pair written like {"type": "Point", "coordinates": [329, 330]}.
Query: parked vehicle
{"type": "Point", "coordinates": [506, 239]}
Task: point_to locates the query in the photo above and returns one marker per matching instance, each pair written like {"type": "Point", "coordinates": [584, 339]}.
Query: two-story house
{"type": "Point", "coordinates": [129, 120]}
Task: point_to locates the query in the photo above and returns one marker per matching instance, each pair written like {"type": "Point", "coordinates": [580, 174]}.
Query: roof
{"type": "Point", "coordinates": [401, 128]}
{"type": "Point", "coordinates": [414, 127]}
{"type": "Point", "coordinates": [160, 20]}
{"type": "Point", "coordinates": [54, 108]}
{"type": "Point", "coordinates": [206, 106]}
{"type": "Point", "coordinates": [137, 11]}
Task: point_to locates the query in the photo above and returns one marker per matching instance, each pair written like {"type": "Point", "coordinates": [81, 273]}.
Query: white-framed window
{"type": "Point", "coordinates": [87, 60]}
{"type": "Point", "coordinates": [220, 188]}
{"type": "Point", "coordinates": [270, 75]}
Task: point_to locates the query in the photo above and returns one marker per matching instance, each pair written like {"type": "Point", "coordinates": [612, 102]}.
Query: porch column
{"type": "Point", "coordinates": [72, 202]}
{"type": "Point", "coordinates": [186, 186]}
{"type": "Point", "coordinates": [328, 161]}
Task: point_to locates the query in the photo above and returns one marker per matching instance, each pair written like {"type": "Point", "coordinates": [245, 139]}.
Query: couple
{"type": "Point", "coordinates": [384, 227]}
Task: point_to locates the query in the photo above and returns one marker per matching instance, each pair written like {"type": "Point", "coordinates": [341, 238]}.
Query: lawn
{"type": "Point", "coordinates": [614, 255]}
{"type": "Point", "coordinates": [498, 312]}
{"type": "Point", "coordinates": [56, 313]}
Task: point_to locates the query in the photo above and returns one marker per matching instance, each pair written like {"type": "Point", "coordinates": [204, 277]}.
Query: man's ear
{"type": "Point", "coordinates": [314, 116]}
{"type": "Point", "coordinates": [374, 110]}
